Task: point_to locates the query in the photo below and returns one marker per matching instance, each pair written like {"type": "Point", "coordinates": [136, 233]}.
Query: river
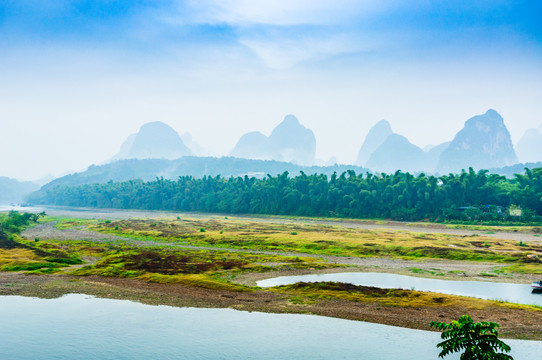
{"type": "Point", "coordinates": [83, 327]}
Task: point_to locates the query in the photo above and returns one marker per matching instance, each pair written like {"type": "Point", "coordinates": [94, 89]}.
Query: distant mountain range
{"type": "Point", "coordinates": [484, 142]}
{"type": "Point", "coordinates": [14, 191]}
{"type": "Point", "coordinates": [158, 151]}
{"type": "Point", "coordinates": [289, 141]}
{"type": "Point", "coordinates": [155, 140]}
{"type": "Point", "coordinates": [374, 139]}
{"type": "Point", "coordinates": [529, 147]}
{"type": "Point", "coordinates": [150, 169]}
{"type": "Point", "coordinates": [510, 170]}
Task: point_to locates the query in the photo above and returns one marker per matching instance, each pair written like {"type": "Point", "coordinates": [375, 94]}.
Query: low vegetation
{"type": "Point", "coordinates": [137, 261]}
{"type": "Point", "coordinates": [310, 292]}
{"type": "Point", "coordinates": [323, 240]}
{"type": "Point", "coordinates": [17, 254]}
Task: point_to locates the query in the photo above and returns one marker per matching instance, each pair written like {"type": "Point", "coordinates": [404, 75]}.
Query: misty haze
{"type": "Point", "coordinates": [293, 179]}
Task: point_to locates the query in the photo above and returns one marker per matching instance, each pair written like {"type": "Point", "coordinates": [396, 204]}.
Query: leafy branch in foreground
{"type": "Point", "coordinates": [479, 341]}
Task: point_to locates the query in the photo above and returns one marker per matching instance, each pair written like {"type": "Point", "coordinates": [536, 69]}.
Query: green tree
{"type": "Point", "coordinates": [478, 340]}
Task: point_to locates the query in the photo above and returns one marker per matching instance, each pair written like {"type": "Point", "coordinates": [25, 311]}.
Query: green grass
{"type": "Point", "coordinates": [523, 268]}
{"type": "Point", "coordinates": [320, 239]}
{"type": "Point", "coordinates": [137, 261]}
{"type": "Point", "coordinates": [307, 293]}
{"type": "Point", "coordinates": [32, 256]}
{"type": "Point", "coordinates": [29, 266]}
{"type": "Point", "coordinates": [196, 280]}
{"type": "Point", "coordinates": [160, 262]}
{"type": "Point", "coordinates": [436, 272]}
{"type": "Point", "coordinates": [68, 222]}
{"type": "Point", "coordinates": [493, 227]}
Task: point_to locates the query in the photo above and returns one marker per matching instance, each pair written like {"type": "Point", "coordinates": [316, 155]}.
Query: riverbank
{"type": "Point", "coordinates": [518, 322]}
{"type": "Point", "coordinates": [247, 238]}
{"type": "Point", "coordinates": [214, 261]}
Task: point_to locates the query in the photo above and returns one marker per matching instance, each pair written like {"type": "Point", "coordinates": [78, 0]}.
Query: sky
{"type": "Point", "coordinates": [78, 77]}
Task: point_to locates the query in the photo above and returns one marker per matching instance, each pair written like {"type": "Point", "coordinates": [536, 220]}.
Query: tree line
{"type": "Point", "coordinates": [467, 196]}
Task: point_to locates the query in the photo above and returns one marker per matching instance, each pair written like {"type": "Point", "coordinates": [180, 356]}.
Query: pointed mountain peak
{"type": "Point", "coordinates": [375, 137]}
{"type": "Point", "coordinates": [290, 141]}
{"type": "Point", "coordinates": [382, 125]}
{"type": "Point", "coordinates": [492, 112]}
{"type": "Point", "coordinates": [529, 147]}
{"type": "Point", "coordinates": [153, 140]}
{"type": "Point", "coordinates": [483, 143]}
{"type": "Point", "coordinates": [155, 125]}
{"type": "Point", "coordinates": [290, 120]}
{"type": "Point", "coordinates": [491, 117]}
{"type": "Point", "coordinates": [289, 123]}
{"type": "Point", "coordinates": [397, 153]}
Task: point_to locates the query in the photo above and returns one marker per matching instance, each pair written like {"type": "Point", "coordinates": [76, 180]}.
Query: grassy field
{"type": "Point", "coordinates": [151, 249]}
{"type": "Point", "coordinates": [318, 239]}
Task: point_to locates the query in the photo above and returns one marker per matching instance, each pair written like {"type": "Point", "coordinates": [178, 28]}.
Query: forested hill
{"type": "Point", "coordinates": [470, 196]}
{"type": "Point", "coordinates": [149, 169]}
{"type": "Point", "coordinates": [511, 170]}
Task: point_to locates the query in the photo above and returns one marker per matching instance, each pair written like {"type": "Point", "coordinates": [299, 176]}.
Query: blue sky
{"type": "Point", "coordinates": [83, 75]}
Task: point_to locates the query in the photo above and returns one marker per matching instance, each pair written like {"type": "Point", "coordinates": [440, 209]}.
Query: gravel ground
{"type": "Point", "coordinates": [116, 214]}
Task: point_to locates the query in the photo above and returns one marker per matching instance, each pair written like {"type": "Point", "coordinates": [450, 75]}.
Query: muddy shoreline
{"type": "Point", "coordinates": [515, 323]}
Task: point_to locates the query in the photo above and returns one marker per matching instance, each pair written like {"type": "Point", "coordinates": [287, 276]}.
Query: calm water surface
{"type": "Point", "coordinates": [516, 293]}
{"type": "Point", "coordinates": [83, 327]}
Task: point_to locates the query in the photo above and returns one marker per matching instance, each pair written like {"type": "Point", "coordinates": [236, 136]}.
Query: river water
{"type": "Point", "coordinates": [83, 327]}
{"type": "Point", "coordinates": [516, 293]}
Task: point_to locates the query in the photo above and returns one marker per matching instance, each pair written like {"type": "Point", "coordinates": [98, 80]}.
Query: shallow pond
{"type": "Point", "coordinates": [516, 293]}
{"type": "Point", "coordinates": [84, 327]}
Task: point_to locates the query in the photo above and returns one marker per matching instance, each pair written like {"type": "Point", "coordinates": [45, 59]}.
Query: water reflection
{"type": "Point", "coordinates": [516, 293]}
{"type": "Point", "coordinates": [83, 327]}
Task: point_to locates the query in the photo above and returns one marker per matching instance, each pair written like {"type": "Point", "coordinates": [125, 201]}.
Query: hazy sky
{"type": "Point", "coordinates": [78, 77]}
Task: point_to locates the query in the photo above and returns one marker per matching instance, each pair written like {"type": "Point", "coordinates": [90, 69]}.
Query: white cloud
{"type": "Point", "coordinates": [281, 12]}
{"type": "Point", "coordinates": [282, 51]}
{"type": "Point", "coordinates": [284, 33]}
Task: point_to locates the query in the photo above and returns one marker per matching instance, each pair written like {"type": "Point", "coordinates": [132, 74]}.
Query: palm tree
{"type": "Point", "coordinates": [478, 340]}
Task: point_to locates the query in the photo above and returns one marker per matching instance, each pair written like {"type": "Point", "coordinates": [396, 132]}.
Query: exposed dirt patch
{"type": "Point", "coordinates": [47, 231]}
